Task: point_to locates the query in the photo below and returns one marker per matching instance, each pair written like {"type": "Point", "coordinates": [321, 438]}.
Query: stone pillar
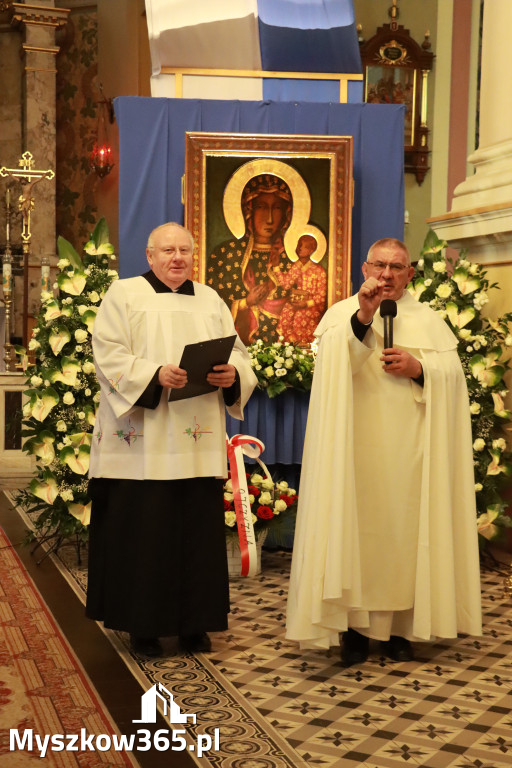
{"type": "Point", "coordinates": [481, 215]}
{"type": "Point", "coordinates": [38, 23]}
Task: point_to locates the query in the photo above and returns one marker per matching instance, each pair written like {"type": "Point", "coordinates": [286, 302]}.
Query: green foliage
{"type": "Point", "coordinates": [281, 366]}
{"type": "Point", "coordinates": [63, 394]}
{"type": "Point", "coordinates": [458, 291]}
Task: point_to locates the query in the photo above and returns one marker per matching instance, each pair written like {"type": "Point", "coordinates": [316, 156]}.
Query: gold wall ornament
{"type": "Point", "coordinates": [396, 70]}
{"type": "Point", "coordinates": [28, 177]}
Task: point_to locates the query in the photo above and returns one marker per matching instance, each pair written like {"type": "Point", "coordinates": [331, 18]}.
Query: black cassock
{"type": "Point", "coordinates": [157, 556]}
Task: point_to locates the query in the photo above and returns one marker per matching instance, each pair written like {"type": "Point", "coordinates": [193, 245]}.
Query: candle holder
{"type": "Point", "coordinates": [45, 274]}
{"type": "Point", "coordinates": [7, 298]}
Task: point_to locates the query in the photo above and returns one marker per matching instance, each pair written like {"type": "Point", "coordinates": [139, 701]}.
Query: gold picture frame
{"type": "Point", "coordinates": [308, 182]}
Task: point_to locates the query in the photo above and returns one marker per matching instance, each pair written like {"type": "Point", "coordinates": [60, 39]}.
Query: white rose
{"type": "Point", "coordinates": [499, 444]}
{"type": "Point", "coordinates": [258, 367]}
{"type": "Point", "coordinates": [63, 263]}
{"type": "Point", "coordinates": [478, 487]}
{"type": "Point", "coordinates": [96, 397]}
{"type": "Point", "coordinates": [67, 495]}
{"type": "Point", "coordinates": [473, 269]}
{"type": "Point", "coordinates": [439, 266]}
{"type": "Point", "coordinates": [87, 392]}
{"type": "Point", "coordinates": [88, 367]}
{"type": "Point", "coordinates": [269, 371]}
{"type": "Point", "coordinates": [36, 381]}
{"type": "Point", "coordinates": [288, 351]}
{"type": "Point", "coordinates": [282, 486]}
{"type": "Point", "coordinates": [228, 485]}
{"type": "Point", "coordinates": [428, 281]}
{"type": "Point", "coordinates": [267, 484]}
{"type": "Point", "coordinates": [61, 426]}
{"type": "Point", "coordinates": [265, 498]}
{"type": "Point", "coordinates": [475, 408]}
{"type": "Point", "coordinates": [81, 309]}
{"type": "Point", "coordinates": [256, 479]}
{"type": "Point", "coordinates": [68, 398]}
{"type": "Point", "coordinates": [291, 492]}
{"type": "Point", "coordinates": [464, 333]}
{"type": "Point", "coordinates": [479, 444]}
{"type": "Point", "coordinates": [230, 518]}
{"type": "Point", "coordinates": [281, 372]}
{"type": "Point", "coordinates": [228, 496]}
{"type": "Point", "coordinates": [81, 335]}
{"type": "Point", "coordinates": [444, 290]}
{"type": "Point", "coordinates": [421, 263]}
{"type": "Point", "coordinates": [81, 415]}
{"type": "Point", "coordinates": [33, 344]}
{"type": "Point", "coordinates": [94, 296]}
{"type": "Point", "coordinates": [289, 363]}
{"type": "Point", "coordinates": [251, 499]}
{"type": "Point", "coordinates": [280, 506]}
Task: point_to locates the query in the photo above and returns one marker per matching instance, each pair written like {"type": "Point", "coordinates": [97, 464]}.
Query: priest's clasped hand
{"type": "Point", "coordinates": [398, 362]}
{"type": "Point", "coordinates": [222, 375]}
{"type": "Point", "coordinates": [172, 376]}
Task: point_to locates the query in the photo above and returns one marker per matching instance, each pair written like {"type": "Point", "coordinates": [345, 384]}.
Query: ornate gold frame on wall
{"type": "Point", "coordinates": [318, 171]}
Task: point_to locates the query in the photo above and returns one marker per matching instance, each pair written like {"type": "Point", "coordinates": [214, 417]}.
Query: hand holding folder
{"type": "Point", "coordinates": [198, 360]}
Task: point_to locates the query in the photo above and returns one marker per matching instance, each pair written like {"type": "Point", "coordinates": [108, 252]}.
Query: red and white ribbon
{"type": "Point", "coordinates": [237, 447]}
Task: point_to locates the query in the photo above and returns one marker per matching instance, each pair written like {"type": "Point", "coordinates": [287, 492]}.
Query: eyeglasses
{"type": "Point", "coordinates": [381, 266]}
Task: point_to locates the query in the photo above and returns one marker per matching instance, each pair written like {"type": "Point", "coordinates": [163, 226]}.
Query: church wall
{"type": "Point", "coordinates": [77, 94]}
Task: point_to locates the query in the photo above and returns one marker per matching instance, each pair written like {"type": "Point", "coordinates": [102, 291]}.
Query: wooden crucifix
{"type": "Point", "coordinates": [28, 178]}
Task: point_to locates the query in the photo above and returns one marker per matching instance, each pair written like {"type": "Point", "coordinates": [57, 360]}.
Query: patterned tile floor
{"type": "Point", "coordinates": [277, 707]}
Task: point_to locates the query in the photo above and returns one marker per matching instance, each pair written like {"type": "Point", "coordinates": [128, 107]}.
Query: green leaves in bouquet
{"type": "Point", "coordinates": [63, 395]}
{"type": "Point", "coordinates": [458, 290]}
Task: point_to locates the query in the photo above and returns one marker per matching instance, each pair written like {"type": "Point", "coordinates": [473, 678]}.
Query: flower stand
{"type": "Point", "coordinates": [235, 558]}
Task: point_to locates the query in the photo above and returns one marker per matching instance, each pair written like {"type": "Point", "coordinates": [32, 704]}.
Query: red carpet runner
{"type": "Point", "coordinates": [42, 686]}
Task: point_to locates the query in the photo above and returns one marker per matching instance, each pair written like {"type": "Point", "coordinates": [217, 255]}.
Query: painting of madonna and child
{"type": "Point", "coordinates": [268, 249]}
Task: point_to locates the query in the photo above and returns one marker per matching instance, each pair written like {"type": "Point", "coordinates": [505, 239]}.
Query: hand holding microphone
{"type": "Point", "coordinates": [398, 362]}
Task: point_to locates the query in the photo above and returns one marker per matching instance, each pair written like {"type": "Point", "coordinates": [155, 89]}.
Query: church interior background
{"type": "Point", "coordinates": [60, 69]}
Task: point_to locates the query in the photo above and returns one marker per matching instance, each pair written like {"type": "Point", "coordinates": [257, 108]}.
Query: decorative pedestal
{"type": "Point", "coordinates": [235, 558]}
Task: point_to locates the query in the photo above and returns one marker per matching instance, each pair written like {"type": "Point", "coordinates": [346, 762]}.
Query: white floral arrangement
{"type": "Point", "coordinates": [63, 394]}
{"type": "Point", "coordinates": [458, 291]}
{"type": "Point", "coordinates": [281, 366]}
{"type": "Point", "coordinates": [271, 502]}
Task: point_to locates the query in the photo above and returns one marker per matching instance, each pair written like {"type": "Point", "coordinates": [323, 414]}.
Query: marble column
{"type": "Point", "coordinates": [481, 213]}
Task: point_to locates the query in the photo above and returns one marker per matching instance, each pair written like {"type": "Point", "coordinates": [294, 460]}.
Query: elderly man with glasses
{"type": "Point", "coordinates": [386, 541]}
{"type": "Point", "coordinates": [157, 550]}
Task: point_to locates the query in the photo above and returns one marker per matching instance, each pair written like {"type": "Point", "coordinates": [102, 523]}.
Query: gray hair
{"type": "Point", "coordinates": [393, 244]}
{"type": "Point", "coordinates": [164, 226]}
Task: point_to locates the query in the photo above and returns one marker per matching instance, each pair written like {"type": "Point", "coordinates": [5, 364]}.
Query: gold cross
{"type": "Point", "coordinates": [28, 179]}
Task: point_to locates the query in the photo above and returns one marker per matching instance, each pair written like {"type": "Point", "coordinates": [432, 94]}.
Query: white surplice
{"type": "Point", "coordinates": [136, 331]}
{"type": "Point", "coordinates": [386, 538]}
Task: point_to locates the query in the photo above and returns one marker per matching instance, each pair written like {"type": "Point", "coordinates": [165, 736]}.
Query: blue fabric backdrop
{"type": "Point", "coordinates": [152, 161]}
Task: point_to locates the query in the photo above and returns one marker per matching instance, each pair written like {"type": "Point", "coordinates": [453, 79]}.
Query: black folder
{"type": "Point", "coordinates": [198, 360]}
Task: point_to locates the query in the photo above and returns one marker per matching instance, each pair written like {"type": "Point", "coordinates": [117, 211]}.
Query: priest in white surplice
{"type": "Point", "coordinates": [386, 539]}
{"type": "Point", "coordinates": [157, 551]}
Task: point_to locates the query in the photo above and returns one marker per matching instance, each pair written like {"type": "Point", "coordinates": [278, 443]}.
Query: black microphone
{"type": "Point", "coordinates": [388, 312]}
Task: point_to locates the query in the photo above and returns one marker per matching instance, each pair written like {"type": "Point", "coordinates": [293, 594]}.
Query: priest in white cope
{"type": "Point", "coordinates": [157, 551]}
{"type": "Point", "coordinates": [386, 540]}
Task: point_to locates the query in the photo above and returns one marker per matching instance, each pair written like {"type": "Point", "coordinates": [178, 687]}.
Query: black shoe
{"type": "Point", "coordinates": [398, 648]}
{"type": "Point", "coordinates": [354, 648]}
{"type": "Point", "coordinates": [199, 643]}
{"type": "Point", "coordinates": [146, 646]}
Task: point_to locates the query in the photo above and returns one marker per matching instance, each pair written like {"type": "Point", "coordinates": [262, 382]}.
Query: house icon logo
{"type": "Point", "coordinates": [171, 709]}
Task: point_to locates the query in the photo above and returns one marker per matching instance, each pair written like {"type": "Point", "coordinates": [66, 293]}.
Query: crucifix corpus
{"type": "Point", "coordinates": [28, 178]}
